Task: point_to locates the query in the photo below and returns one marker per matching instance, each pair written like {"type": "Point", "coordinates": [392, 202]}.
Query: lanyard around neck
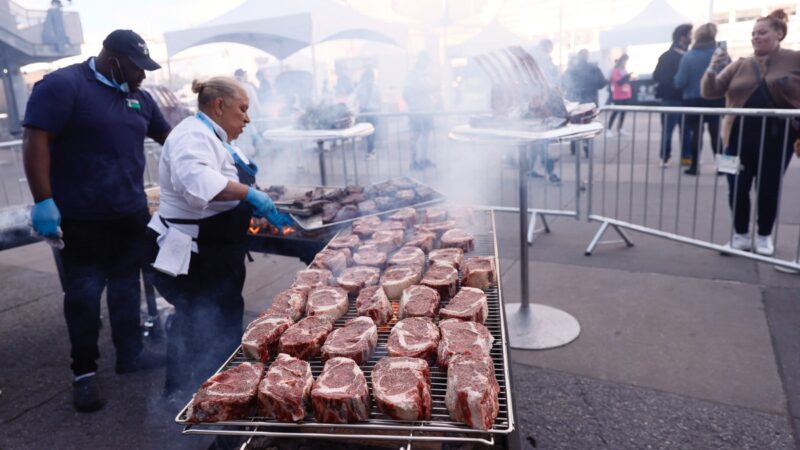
{"type": "Point", "coordinates": [250, 169]}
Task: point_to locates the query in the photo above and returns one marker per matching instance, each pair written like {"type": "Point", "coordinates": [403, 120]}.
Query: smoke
{"type": "Point", "coordinates": [14, 227]}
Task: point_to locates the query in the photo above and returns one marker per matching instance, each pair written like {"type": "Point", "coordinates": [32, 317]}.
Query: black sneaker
{"type": "Point", "coordinates": [534, 174]}
{"type": "Point", "coordinates": [146, 360]}
{"type": "Point", "coordinates": [554, 179]}
{"type": "Point", "coordinates": [692, 172]}
{"type": "Point", "coordinates": [87, 395]}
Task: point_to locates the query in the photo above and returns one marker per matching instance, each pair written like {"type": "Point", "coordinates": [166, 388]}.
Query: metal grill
{"type": "Point", "coordinates": [440, 428]}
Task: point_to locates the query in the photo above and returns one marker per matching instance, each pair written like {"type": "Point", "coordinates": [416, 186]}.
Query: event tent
{"type": "Point", "coordinates": [492, 37]}
{"type": "Point", "coordinates": [653, 25]}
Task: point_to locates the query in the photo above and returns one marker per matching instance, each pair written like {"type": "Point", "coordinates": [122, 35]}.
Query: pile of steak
{"type": "Point", "coordinates": [416, 337]}
{"type": "Point", "coordinates": [291, 302]}
{"type": "Point", "coordinates": [308, 279]}
{"type": "Point", "coordinates": [304, 339]}
{"type": "Point", "coordinates": [228, 395]}
{"type": "Point", "coordinates": [452, 257]}
{"type": "Point", "coordinates": [418, 301]}
{"type": "Point", "coordinates": [442, 278]}
{"type": "Point", "coordinates": [472, 391]}
{"type": "Point", "coordinates": [479, 272]}
{"type": "Point", "coordinates": [340, 393]}
{"type": "Point", "coordinates": [458, 238]}
{"type": "Point", "coordinates": [373, 303]}
{"type": "Point", "coordinates": [285, 391]}
{"type": "Point", "coordinates": [355, 340]}
{"type": "Point", "coordinates": [397, 278]}
{"type": "Point", "coordinates": [462, 338]}
{"type": "Point", "coordinates": [260, 339]}
{"type": "Point", "coordinates": [327, 301]}
{"type": "Point", "coordinates": [355, 278]}
{"type": "Point", "coordinates": [370, 255]}
{"type": "Point", "coordinates": [402, 388]}
{"type": "Point", "coordinates": [469, 304]}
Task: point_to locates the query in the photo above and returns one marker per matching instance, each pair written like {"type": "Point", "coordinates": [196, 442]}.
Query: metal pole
{"type": "Point", "coordinates": [522, 155]}
{"type": "Point", "coordinates": [321, 151]}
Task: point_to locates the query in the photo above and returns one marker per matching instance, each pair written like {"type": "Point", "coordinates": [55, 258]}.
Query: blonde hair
{"type": "Point", "coordinates": [778, 20]}
{"type": "Point", "coordinates": [216, 87]}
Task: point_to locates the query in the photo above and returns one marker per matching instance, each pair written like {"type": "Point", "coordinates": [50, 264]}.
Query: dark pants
{"type": "Point", "coordinates": [693, 129]}
{"type": "Point", "coordinates": [777, 155]}
{"type": "Point", "coordinates": [668, 124]}
{"type": "Point", "coordinates": [97, 255]}
{"type": "Point", "coordinates": [371, 138]}
{"type": "Point", "coordinates": [614, 114]}
{"type": "Point", "coordinates": [207, 325]}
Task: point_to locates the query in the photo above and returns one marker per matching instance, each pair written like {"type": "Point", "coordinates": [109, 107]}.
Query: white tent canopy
{"type": "Point", "coordinates": [281, 28]}
{"type": "Point", "coordinates": [653, 25]}
{"type": "Point", "coordinates": [492, 37]}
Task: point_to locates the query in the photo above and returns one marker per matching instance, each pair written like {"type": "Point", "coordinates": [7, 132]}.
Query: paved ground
{"type": "Point", "coordinates": [680, 347]}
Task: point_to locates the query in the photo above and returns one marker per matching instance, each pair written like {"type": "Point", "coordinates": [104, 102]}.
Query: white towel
{"type": "Point", "coordinates": [175, 252]}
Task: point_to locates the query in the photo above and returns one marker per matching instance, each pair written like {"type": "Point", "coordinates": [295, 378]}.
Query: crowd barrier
{"type": "Point", "coordinates": [630, 188]}
{"type": "Point", "coordinates": [13, 184]}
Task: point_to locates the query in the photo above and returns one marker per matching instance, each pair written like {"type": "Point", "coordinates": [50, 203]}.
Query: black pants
{"type": "Point", "coordinates": [614, 114]}
{"type": "Point", "coordinates": [97, 255]}
{"type": "Point", "coordinates": [207, 325]}
{"type": "Point", "coordinates": [777, 155]}
{"type": "Point", "coordinates": [693, 129]}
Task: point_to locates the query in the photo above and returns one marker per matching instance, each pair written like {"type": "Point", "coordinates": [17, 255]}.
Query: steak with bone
{"type": "Point", "coordinates": [462, 338]}
{"type": "Point", "coordinates": [442, 278]}
{"type": "Point", "coordinates": [479, 272]}
{"type": "Point", "coordinates": [373, 303]}
{"type": "Point", "coordinates": [452, 257]}
{"type": "Point", "coordinates": [228, 395]}
{"type": "Point", "coordinates": [472, 391]}
{"type": "Point", "coordinates": [340, 393]}
{"type": "Point", "coordinates": [469, 304]}
{"type": "Point", "coordinates": [285, 391]}
{"type": "Point", "coordinates": [327, 301]}
{"type": "Point", "coordinates": [416, 337]}
{"type": "Point", "coordinates": [260, 339]}
{"type": "Point", "coordinates": [364, 227]}
{"type": "Point", "coordinates": [333, 260]}
{"type": "Point", "coordinates": [405, 216]}
{"type": "Point", "coordinates": [437, 228]}
{"type": "Point", "coordinates": [418, 301]}
{"type": "Point", "coordinates": [291, 302]}
{"type": "Point", "coordinates": [355, 340]}
{"type": "Point", "coordinates": [308, 279]}
{"type": "Point", "coordinates": [421, 239]}
{"type": "Point", "coordinates": [434, 214]}
{"type": "Point", "coordinates": [355, 278]}
{"type": "Point", "coordinates": [304, 339]}
{"type": "Point", "coordinates": [349, 242]}
{"type": "Point", "coordinates": [402, 388]}
{"type": "Point", "coordinates": [458, 238]}
{"type": "Point", "coordinates": [370, 255]}
{"type": "Point", "coordinates": [407, 256]}
{"type": "Point", "coordinates": [397, 278]}
{"type": "Point", "coordinates": [386, 240]}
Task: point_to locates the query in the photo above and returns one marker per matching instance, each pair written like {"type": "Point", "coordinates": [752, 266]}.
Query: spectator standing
{"type": "Point", "coordinates": [368, 100]}
{"type": "Point", "coordinates": [419, 94]}
{"type": "Point", "coordinates": [767, 79]}
{"type": "Point", "coordinates": [581, 82]}
{"type": "Point", "coordinates": [664, 76]}
{"type": "Point", "coordinates": [542, 54]}
{"type": "Point", "coordinates": [621, 92]}
{"type": "Point", "coordinates": [264, 87]}
{"type": "Point", "coordinates": [692, 67]}
{"type": "Point", "coordinates": [250, 141]}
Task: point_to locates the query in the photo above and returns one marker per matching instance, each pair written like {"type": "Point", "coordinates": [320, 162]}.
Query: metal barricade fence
{"type": "Point", "coordinates": [13, 184]}
{"type": "Point", "coordinates": [630, 187]}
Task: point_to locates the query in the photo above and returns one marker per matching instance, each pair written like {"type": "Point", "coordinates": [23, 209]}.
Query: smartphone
{"type": "Point", "coordinates": [722, 45]}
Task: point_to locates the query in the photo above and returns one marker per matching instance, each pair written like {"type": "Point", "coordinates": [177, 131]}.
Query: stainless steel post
{"type": "Point", "coordinates": [522, 158]}
{"type": "Point", "coordinates": [321, 150]}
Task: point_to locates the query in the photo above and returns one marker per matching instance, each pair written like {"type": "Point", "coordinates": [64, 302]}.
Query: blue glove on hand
{"type": "Point", "coordinates": [262, 204]}
{"type": "Point", "coordinates": [46, 218]}
{"type": "Point", "coordinates": [279, 219]}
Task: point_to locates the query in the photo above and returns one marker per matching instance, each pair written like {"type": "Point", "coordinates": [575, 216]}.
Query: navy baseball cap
{"type": "Point", "coordinates": [130, 44]}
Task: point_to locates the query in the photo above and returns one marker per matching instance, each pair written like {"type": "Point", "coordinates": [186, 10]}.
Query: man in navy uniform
{"type": "Point", "coordinates": [83, 149]}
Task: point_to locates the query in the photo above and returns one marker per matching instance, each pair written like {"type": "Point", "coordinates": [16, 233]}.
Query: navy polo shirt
{"type": "Point", "coordinates": [97, 156]}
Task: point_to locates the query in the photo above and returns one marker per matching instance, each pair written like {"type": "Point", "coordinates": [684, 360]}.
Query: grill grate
{"type": "Point", "coordinates": [440, 428]}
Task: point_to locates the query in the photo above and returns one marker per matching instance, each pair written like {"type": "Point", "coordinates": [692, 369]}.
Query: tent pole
{"type": "Point", "coordinates": [314, 96]}
{"type": "Point", "coordinates": [169, 73]}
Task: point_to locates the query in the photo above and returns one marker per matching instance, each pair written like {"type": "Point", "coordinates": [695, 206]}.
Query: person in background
{"type": "Point", "coordinates": [664, 75]}
{"type": "Point", "coordinates": [581, 82]}
{"type": "Point", "coordinates": [768, 79]}
{"type": "Point", "coordinates": [692, 67]}
{"type": "Point", "coordinates": [198, 235]}
{"type": "Point", "coordinates": [419, 94]}
{"type": "Point", "coordinates": [542, 54]}
{"type": "Point", "coordinates": [264, 87]}
{"type": "Point", "coordinates": [621, 92]}
{"type": "Point", "coordinates": [250, 142]}
{"type": "Point", "coordinates": [83, 151]}
{"type": "Point", "coordinates": [368, 100]}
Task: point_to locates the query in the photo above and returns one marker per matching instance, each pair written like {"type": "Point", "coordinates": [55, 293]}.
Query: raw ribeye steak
{"type": "Point", "coordinates": [355, 340]}
{"type": "Point", "coordinates": [438, 228]}
{"type": "Point", "coordinates": [479, 272]}
{"type": "Point", "coordinates": [228, 395]}
{"type": "Point", "coordinates": [458, 238]}
{"type": "Point", "coordinates": [405, 216]}
{"type": "Point", "coordinates": [472, 391]}
{"type": "Point", "coordinates": [402, 388]}
{"type": "Point", "coordinates": [462, 338]}
{"type": "Point", "coordinates": [468, 304]}
{"type": "Point", "coordinates": [407, 256]}
{"type": "Point", "coordinates": [291, 302]}
{"type": "Point", "coordinates": [260, 339]}
{"type": "Point", "coordinates": [370, 255]}
{"type": "Point", "coordinates": [418, 301]}
{"type": "Point", "coordinates": [416, 337]}
{"type": "Point", "coordinates": [421, 239]}
{"type": "Point", "coordinates": [304, 339]}
{"type": "Point", "coordinates": [373, 303]}
{"type": "Point", "coordinates": [443, 278]}
{"type": "Point", "coordinates": [285, 391]}
{"type": "Point", "coordinates": [340, 393]}
{"type": "Point", "coordinates": [397, 278]}
{"type": "Point", "coordinates": [386, 241]}
{"type": "Point", "coordinates": [355, 278]}
{"type": "Point", "coordinates": [328, 301]}
{"type": "Point", "coordinates": [333, 260]}
{"type": "Point", "coordinates": [452, 257]}
{"type": "Point", "coordinates": [308, 279]}
{"type": "Point", "coordinates": [433, 215]}
{"type": "Point", "coordinates": [350, 242]}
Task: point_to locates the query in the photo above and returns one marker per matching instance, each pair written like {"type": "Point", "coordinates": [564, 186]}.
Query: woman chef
{"type": "Point", "coordinates": [206, 203]}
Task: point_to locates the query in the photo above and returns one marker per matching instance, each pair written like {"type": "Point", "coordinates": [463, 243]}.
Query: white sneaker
{"type": "Point", "coordinates": [609, 134]}
{"type": "Point", "coordinates": [764, 245]}
{"type": "Point", "coordinates": [740, 242]}
{"type": "Point", "coordinates": [623, 132]}
{"type": "Point", "coordinates": [664, 164]}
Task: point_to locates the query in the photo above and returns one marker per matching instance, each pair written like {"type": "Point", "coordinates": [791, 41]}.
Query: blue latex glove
{"type": "Point", "coordinates": [280, 219]}
{"type": "Point", "coordinates": [262, 204]}
{"type": "Point", "coordinates": [46, 218]}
